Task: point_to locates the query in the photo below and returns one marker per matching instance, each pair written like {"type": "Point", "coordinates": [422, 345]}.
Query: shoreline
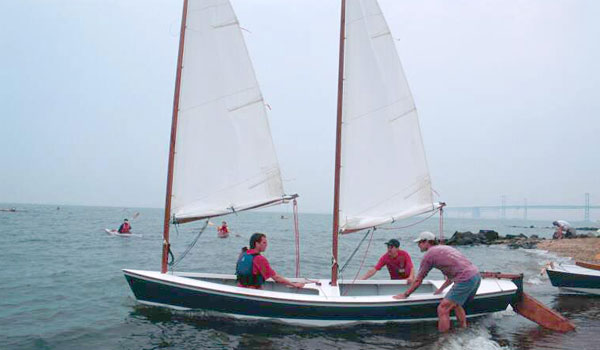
{"type": "Point", "coordinates": [579, 249]}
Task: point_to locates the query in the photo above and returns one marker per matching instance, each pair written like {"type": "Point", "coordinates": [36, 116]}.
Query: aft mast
{"type": "Point", "coordinates": [338, 149]}
{"type": "Point", "coordinates": [166, 245]}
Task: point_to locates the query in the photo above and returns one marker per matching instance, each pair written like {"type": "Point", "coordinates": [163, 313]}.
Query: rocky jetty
{"type": "Point", "coordinates": [489, 237]}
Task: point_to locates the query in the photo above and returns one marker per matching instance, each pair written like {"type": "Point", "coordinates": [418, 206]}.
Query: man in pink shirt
{"type": "Point", "coordinates": [397, 261]}
{"type": "Point", "coordinates": [261, 269]}
{"type": "Point", "coordinates": [457, 269]}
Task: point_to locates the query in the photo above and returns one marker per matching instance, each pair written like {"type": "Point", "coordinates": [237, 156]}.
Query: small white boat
{"type": "Point", "coordinates": [116, 233]}
{"type": "Point", "coordinates": [578, 278]}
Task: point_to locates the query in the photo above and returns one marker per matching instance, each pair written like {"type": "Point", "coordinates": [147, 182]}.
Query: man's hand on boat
{"type": "Point", "coordinates": [281, 279]}
{"type": "Point", "coordinates": [400, 296]}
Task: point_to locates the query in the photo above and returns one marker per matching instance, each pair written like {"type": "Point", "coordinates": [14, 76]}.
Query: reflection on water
{"type": "Point", "coordinates": [231, 333]}
{"type": "Point", "coordinates": [578, 306]}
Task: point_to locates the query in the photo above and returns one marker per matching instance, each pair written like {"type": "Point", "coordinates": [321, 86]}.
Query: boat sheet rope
{"type": "Point", "coordinates": [174, 262]}
{"type": "Point", "coordinates": [442, 224]}
{"type": "Point", "coordinates": [354, 252]}
{"type": "Point", "coordinates": [412, 224]}
{"type": "Point", "coordinates": [362, 263]}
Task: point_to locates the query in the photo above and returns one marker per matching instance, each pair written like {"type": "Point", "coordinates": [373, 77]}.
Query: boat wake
{"type": "Point", "coordinates": [473, 338]}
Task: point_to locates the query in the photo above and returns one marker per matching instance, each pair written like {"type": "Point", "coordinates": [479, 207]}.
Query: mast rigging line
{"type": "Point", "coordinates": [297, 237]}
{"type": "Point", "coordinates": [362, 263]}
{"type": "Point", "coordinates": [174, 262]}
{"type": "Point", "coordinates": [355, 250]}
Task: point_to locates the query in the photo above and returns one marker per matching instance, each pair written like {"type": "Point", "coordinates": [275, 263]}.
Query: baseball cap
{"type": "Point", "coordinates": [425, 236]}
{"type": "Point", "coordinates": [393, 242]}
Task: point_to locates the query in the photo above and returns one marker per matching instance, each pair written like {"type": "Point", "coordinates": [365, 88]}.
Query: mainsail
{"type": "Point", "coordinates": [224, 155]}
{"type": "Point", "coordinates": [384, 174]}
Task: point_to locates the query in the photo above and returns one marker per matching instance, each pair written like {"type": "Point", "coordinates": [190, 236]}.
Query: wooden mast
{"type": "Point", "coordinates": [338, 149]}
{"type": "Point", "coordinates": [165, 252]}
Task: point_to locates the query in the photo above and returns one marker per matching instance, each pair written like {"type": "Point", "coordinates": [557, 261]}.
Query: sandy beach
{"type": "Point", "coordinates": [580, 249]}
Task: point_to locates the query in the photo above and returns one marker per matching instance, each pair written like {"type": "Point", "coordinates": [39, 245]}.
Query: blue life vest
{"type": "Point", "coordinates": [243, 271]}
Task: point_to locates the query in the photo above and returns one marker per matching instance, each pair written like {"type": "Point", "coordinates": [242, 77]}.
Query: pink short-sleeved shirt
{"type": "Point", "coordinates": [399, 267]}
{"type": "Point", "coordinates": [260, 264]}
{"type": "Point", "coordinates": [450, 261]}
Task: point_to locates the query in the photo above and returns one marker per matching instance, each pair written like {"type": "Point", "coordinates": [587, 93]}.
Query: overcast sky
{"type": "Point", "coordinates": [508, 94]}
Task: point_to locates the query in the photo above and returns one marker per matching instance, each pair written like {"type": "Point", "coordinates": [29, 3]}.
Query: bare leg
{"type": "Point", "coordinates": [443, 311]}
{"type": "Point", "coordinates": [461, 316]}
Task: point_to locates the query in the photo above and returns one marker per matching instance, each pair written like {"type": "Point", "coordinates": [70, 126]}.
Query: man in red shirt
{"type": "Point", "coordinates": [396, 260]}
{"type": "Point", "coordinates": [261, 269]}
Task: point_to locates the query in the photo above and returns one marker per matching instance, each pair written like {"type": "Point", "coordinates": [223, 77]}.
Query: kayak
{"type": "Point", "coordinates": [116, 233]}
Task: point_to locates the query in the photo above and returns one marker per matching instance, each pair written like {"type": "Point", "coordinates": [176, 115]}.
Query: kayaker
{"type": "Point", "coordinates": [125, 227]}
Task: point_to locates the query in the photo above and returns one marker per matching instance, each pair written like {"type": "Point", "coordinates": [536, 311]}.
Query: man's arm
{"type": "Point", "coordinates": [281, 279]}
{"type": "Point", "coordinates": [447, 282]}
{"type": "Point", "coordinates": [369, 274]}
{"type": "Point", "coordinates": [410, 289]}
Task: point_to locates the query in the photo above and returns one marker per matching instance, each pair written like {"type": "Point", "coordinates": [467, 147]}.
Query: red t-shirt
{"type": "Point", "coordinates": [260, 264]}
{"type": "Point", "coordinates": [399, 267]}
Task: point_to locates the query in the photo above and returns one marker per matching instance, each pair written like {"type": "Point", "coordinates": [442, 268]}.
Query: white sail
{"type": "Point", "coordinates": [384, 173]}
{"type": "Point", "coordinates": [224, 155]}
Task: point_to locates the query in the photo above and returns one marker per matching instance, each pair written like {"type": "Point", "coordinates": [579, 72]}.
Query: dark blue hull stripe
{"type": "Point", "coordinates": [565, 279]}
{"type": "Point", "coordinates": [155, 291]}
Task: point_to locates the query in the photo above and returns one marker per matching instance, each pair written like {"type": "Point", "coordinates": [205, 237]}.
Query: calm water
{"type": "Point", "coordinates": [62, 286]}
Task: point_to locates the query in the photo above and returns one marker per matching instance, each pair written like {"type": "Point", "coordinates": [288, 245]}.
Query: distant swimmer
{"type": "Point", "coordinates": [223, 230]}
{"type": "Point", "coordinates": [125, 227]}
{"type": "Point", "coordinates": [563, 230]}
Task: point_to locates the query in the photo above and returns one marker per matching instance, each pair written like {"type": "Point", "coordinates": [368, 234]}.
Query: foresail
{"type": "Point", "coordinates": [384, 173]}
{"type": "Point", "coordinates": [224, 155]}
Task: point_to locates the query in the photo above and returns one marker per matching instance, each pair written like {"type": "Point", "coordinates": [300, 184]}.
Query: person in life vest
{"type": "Point", "coordinates": [253, 269]}
{"type": "Point", "coordinates": [397, 261]}
{"type": "Point", "coordinates": [456, 268]}
{"type": "Point", "coordinates": [125, 227]}
{"type": "Point", "coordinates": [223, 230]}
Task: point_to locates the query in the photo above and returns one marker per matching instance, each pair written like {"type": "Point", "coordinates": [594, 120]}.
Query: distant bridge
{"type": "Point", "coordinates": [476, 211]}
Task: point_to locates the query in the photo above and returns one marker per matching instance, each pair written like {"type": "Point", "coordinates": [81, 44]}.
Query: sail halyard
{"type": "Point", "coordinates": [224, 159]}
{"type": "Point", "coordinates": [384, 173]}
{"type": "Point", "coordinates": [166, 245]}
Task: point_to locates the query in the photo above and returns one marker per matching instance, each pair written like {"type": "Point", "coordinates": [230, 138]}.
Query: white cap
{"type": "Point", "coordinates": [425, 236]}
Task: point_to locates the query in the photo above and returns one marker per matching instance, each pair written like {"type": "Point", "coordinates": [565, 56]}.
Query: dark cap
{"type": "Point", "coordinates": [393, 242]}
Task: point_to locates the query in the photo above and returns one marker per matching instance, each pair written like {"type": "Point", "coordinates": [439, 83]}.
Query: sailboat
{"type": "Point", "coordinates": [581, 277]}
{"type": "Point", "coordinates": [381, 174]}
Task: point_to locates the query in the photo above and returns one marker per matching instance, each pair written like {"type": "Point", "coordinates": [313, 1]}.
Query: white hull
{"type": "Point", "coordinates": [116, 233]}
{"type": "Point", "coordinates": [574, 279]}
